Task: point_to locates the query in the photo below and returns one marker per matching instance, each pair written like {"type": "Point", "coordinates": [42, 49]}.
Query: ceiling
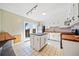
{"type": "Point", "coordinates": [55, 12]}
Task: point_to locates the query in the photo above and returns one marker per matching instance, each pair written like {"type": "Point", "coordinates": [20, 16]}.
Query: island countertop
{"type": "Point", "coordinates": [38, 34]}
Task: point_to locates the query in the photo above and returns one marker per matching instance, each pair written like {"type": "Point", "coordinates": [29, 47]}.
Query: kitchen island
{"type": "Point", "coordinates": [38, 41]}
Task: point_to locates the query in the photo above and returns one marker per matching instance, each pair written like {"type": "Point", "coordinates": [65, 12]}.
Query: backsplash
{"type": "Point", "coordinates": [75, 26]}
{"type": "Point", "coordinates": [68, 29]}
{"type": "Point", "coordinates": [57, 29]}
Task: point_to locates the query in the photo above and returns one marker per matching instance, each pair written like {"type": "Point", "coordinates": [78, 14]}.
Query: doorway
{"type": "Point", "coordinates": [29, 29]}
{"type": "Point", "coordinates": [27, 32]}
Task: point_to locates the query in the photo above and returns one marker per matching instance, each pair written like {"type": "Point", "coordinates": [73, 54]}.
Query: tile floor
{"type": "Point", "coordinates": [52, 49]}
{"type": "Point", "coordinates": [24, 49]}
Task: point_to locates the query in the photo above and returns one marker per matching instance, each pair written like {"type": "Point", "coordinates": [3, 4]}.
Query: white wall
{"type": "Point", "coordinates": [0, 20]}
{"type": "Point", "coordinates": [11, 23]}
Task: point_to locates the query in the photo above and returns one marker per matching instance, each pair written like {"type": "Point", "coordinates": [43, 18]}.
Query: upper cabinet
{"type": "Point", "coordinates": [75, 14]}
{"type": "Point", "coordinates": [72, 14]}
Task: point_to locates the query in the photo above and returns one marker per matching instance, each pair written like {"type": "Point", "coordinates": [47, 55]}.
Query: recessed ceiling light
{"type": "Point", "coordinates": [43, 13]}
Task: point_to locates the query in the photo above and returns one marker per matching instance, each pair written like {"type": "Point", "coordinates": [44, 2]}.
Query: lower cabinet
{"type": "Point", "coordinates": [36, 43]}
{"type": "Point", "coordinates": [43, 41]}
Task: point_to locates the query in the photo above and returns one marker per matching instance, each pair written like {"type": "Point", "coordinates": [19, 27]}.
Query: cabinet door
{"type": "Point", "coordinates": [36, 43]}
{"type": "Point", "coordinates": [55, 36]}
{"type": "Point", "coordinates": [42, 41]}
{"type": "Point", "coordinates": [45, 39]}
{"type": "Point", "coordinates": [75, 11]}
{"type": "Point", "coordinates": [72, 10]}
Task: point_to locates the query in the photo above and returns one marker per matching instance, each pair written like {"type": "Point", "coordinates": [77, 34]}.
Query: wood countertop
{"type": "Point", "coordinates": [70, 37]}
{"type": "Point", "coordinates": [4, 36]}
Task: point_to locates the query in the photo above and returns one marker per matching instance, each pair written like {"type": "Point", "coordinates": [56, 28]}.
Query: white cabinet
{"type": "Point", "coordinates": [71, 14]}
{"type": "Point", "coordinates": [75, 13]}
{"type": "Point", "coordinates": [42, 41]}
{"type": "Point", "coordinates": [38, 42]}
{"type": "Point", "coordinates": [54, 36]}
